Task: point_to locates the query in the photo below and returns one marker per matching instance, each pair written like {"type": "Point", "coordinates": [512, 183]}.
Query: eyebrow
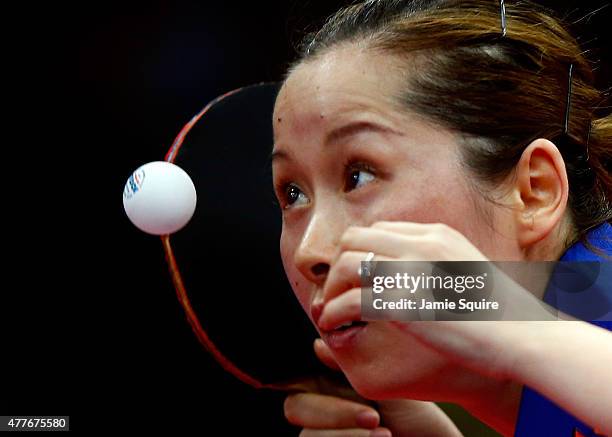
{"type": "Point", "coordinates": [340, 133]}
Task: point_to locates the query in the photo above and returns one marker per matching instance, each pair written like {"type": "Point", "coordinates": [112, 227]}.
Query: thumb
{"type": "Point", "coordinates": [324, 354]}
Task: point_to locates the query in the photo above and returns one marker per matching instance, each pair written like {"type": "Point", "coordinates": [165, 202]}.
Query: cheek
{"type": "Point", "coordinates": [422, 198]}
{"type": "Point", "coordinates": [445, 198]}
{"type": "Point", "coordinates": [459, 207]}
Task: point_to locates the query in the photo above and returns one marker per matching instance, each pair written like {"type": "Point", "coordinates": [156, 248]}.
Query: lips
{"type": "Point", "coordinates": [348, 325]}
{"type": "Point", "coordinates": [345, 336]}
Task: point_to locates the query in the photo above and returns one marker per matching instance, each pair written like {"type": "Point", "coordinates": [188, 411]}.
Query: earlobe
{"type": "Point", "coordinates": [542, 191]}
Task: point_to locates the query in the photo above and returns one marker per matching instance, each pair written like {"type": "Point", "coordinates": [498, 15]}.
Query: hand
{"type": "Point", "coordinates": [340, 411]}
{"type": "Point", "coordinates": [489, 348]}
{"type": "Point", "coordinates": [389, 241]}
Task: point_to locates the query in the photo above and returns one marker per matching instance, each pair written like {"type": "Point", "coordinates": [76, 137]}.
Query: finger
{"type": "Point", "coordinates": [324, 354]}
{"type": "Point", "coordinates": [411, 228]}
{"type": "Point", "coordinates": [433, 241]}
{"type": "Point", "coordinates": [317, 411]}
{"type": "Point", "coordinates": [354, 432]}
{"type": "Point", "coordinates": [325, 385]}
{"type": "Point", "coordinates": [342, 309]}
{"type": "Point", "coordinates": [383, 242]}
{"type": "Point", "coordinates": [344, 273]}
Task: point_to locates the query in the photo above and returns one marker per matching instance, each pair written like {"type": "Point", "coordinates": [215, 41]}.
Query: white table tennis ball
{"type": "Point", "coordinates": [159, 198]}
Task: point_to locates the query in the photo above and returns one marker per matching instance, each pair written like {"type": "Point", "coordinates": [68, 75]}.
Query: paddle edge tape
{"type": "Point", "coordinates": [177, 279]}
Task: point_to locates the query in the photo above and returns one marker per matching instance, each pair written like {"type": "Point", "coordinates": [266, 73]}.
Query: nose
{"type": "Point", "coordinates": [316, 250]}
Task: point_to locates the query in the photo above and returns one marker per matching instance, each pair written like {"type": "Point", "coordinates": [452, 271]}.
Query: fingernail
{"type": "Point", "coordinates": [325, 325]}
{"type": "Point", "coordinates": [380, 432]}
{"type": "Point", "coordinates": [315, 311]}
{"type": "Point", "coordinates": [322, 322]}
{"type": "Point", "coordinates": [367, 419]}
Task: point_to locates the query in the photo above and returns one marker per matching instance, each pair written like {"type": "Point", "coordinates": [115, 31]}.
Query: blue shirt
{"type": "Point", "coordinates": [538, 416]}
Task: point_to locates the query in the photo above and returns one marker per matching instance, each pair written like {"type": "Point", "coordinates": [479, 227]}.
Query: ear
{"type": "Point", "coordinates": [541, 191]}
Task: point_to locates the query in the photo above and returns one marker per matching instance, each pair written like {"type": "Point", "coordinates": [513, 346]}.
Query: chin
{"type": "Point", "coordinates": [444, 384]}
{"type": "Point", "coordinates": [389, 364]}
{"type": "Point", "coordinates": [377, 390]}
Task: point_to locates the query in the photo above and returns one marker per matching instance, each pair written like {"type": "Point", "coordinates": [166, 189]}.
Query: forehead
{"type": "Point", "coordinates": [340, 82]}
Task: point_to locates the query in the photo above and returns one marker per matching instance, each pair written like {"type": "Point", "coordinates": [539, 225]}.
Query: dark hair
{"type": "Point", "coordinates": [501, 90]}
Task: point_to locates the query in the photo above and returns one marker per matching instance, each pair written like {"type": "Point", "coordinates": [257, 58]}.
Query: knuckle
{"type": "Point", "coordinates": [343, 262]}
{"type": "Point", "coordinates": [436, 228]}
{"type": "Point", "coordinates": [382, 224]}
{"type": "Point", "coordinates": [348, 236]}
{"type": "Point", "coordinates": [443, 229]}
{"type": "Point", "coordinates": [346, 266]}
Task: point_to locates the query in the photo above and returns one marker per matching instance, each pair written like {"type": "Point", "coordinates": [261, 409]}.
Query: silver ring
{"type": "Point", "coordinates": [369, 257]}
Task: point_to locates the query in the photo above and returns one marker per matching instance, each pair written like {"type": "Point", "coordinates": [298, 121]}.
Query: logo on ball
{"type": "Point", "coordinates": [134, 183]}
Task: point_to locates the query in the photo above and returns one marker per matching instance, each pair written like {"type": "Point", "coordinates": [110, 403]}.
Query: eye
{"type": "Point", "coordinates": [357, 175]}
{"type": "Point", "coordinates": [292, 195]}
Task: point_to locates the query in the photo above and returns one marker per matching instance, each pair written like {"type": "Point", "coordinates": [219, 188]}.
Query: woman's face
{"type": "Point", "coordinates": [347, 154]}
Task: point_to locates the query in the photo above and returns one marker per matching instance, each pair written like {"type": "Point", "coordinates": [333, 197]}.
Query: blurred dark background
{"type": "Point", "coordinates": [98, 332]}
